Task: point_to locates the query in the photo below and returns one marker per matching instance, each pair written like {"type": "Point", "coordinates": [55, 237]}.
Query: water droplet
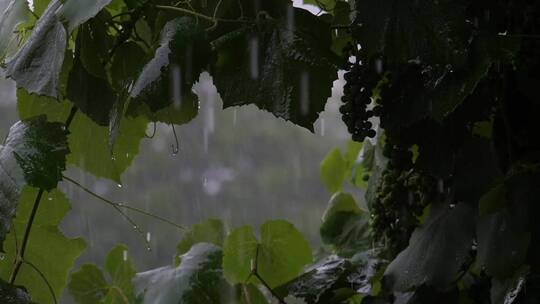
{"type": "Point", "coordinates": [252, 265]}
{"type": "Point", "coordinates": [148, 237]}
{"type": "Point", "coordinates": [2, 257]}
{"type": "Point", "coordinates": [323, 127]}
{"type": "Point", "coordinates": [49, 198]}
{"type": "Point", "coordinates": [124, 255]}
{"type": "Point", "coordinates": [452, 206]}
{"type": "Point", "coordinates": [113, 158]}
{"type": "Point", "coordinates": [119, 185]}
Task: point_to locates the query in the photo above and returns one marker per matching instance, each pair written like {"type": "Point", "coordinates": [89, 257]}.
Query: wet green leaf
{"type": "Point", "coordinates": [282, 252]}
{"type": "Point", "coordinates": [334, 171]}
{"type": "Point", "coordinates": [198, 279]}
{"type": "Point", "coordinates": [76, 12]}
{"type": "Point", "coordinates": [168, 78]}
{"type": "Point", "coordinates": [12, 14]}
{"type": "Point", "coordinates": [282, 68]}
{"type": "Point", "coordinates": [36, 66]}
{"type": "Point", "coordinates": [34, 153]}
{"type": "Point", "coordinates": [437, 250]}
{"type": "Point", "coordinates": [45, 234]}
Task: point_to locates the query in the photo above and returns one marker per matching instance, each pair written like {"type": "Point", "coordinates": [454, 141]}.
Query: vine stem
{"type": "Point", "coordinates": [199, 15]}
{"type": "Point", "coordinates": [19, 259]}
{"type": "Point", "coordinates": [120, 205]}
{"type": "Point", "coordinates": [49, 286]}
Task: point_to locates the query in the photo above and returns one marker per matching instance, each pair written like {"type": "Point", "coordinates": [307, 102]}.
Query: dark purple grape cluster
{"type": "Point", "coordinates": [360, 79]}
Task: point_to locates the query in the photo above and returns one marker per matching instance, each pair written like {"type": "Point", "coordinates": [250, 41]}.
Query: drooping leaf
{"type": "Point", "coordinates": [210, 231]}
{"type": "Point", "coordinates": [34, 153]}
{"type": "Point", "coordinates": [284, 66]}
{"type": "Point", "coordinates": [168, 77]}
{"type": "Point", "coordinates": [91, 94]}
{"type": "Point", "coordinates": [45, 234]}
{"type": "Point", "coordinates": [333, 171]}
{"type": "Point", "coordinates": [12, 13]}
{"type": "Point", "coordinates": [437, 250]}
{"type": "Point", "coordinates": [126, 64]}
{"type": "Point", "coordinates": [198, 279]}
{"type": "Point", "coordinates": [10, 294]}
{"type": "Point", "coordinates": [94, 44]}
{"type": "Point", "coordinates": [36, 66]}
{"type": "Point", "coordinates": [76, 12]}
{"type": "Point", "coordinates": [279, 255]}
{"type": "Point", "coordinates": [345, 226]}
{"type": "Point", "coordinates": [91, 155]}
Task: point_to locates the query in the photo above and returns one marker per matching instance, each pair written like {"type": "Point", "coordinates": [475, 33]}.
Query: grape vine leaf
{"type": "Point", "coordinates": [210, 231]}
{"type": "Point", "coordinates": [36, 66]}
{"type": "Point", "coordinates": [508, 289]}
{"type": "Point", "coordinates": [334, 171]}
{"type": "Point", "coordinates": [177, 63]}
{"type": "Point", "coordinates": [345, 226]}
{"type": "Point", "coordinates": [88, 285]}
{"type": "Point", "coordinates": [198, 279]}
{"type": "Point", "coordinates": [284, 66]}
{"type": "Point", "coordinates": [505, 233]}
{"type": "Point", "coordinates": [281, 253]}
{"type": "Point", "coordinates": [126, 64]}
{"type": "Point", "coordinates": [45, 234]}
{"type": "Point", "coordinates": [10, 294]}
{"type": "Point", "coordinates": [93, 155]}
{"type": "Point", "coordinates": [437, 250]}
{"type": "Point", "coordinates": [34, 153]}
{"type": "Point", "coordinates": [12, 14]}
{"type": "Point", "coordinates": [250, 294]}
{"type": "Point", "coordinates": [76, 12]}
{"type": "Point", "coordinates": [92, 95]}
{"type": "Point", "coordinates": [94, 43]}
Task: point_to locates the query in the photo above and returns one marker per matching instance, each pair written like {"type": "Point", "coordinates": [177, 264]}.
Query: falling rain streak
{"type": "Point", "coordinates": [304, 93]}
{"type": "Point", "coordinates": [254, 58]}
{"type": "Point", "coordinates": [176, 86]}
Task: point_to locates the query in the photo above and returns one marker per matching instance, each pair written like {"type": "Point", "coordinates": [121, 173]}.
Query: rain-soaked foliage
{"type": "Point", "coordinates": [439, 100]}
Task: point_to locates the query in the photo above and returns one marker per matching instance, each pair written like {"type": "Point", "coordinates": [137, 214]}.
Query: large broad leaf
{"type": "Point", "coordinates": [505, 234]}
{"type": "Point", "coordinates": [89, 143]}
{"type": "Point", "coordinates": [198, 279]}
{"type": "Point", "coordinates": [36, 66]}
{"type": "Point", "coordinates": [76, 12]}
{"type": "Point", "coordinates": [424, 30]}
{"type": "Point", "coordinates": [10, 294]}
{"type": "Point", "coordinates": [279, 255]}
{"type": "Point", "coordinates": [12, 13]}
{"type": "Point", "coordinates": [168, 78]}
{"type": "Point", "coordinates": [284, 66]}
{"type": "Point", "coordinates": [210, 231]}
{"type": "Point", "coordinates": [34, 153]}
{"type": "Point", "coordinates": [45, 234]}
{"type": "Point", "coordinates": [88, 285]}
{"type": "Point", "coordinates": [345, 226]}
{"type": "Point", "coordinates": [437, 250]}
